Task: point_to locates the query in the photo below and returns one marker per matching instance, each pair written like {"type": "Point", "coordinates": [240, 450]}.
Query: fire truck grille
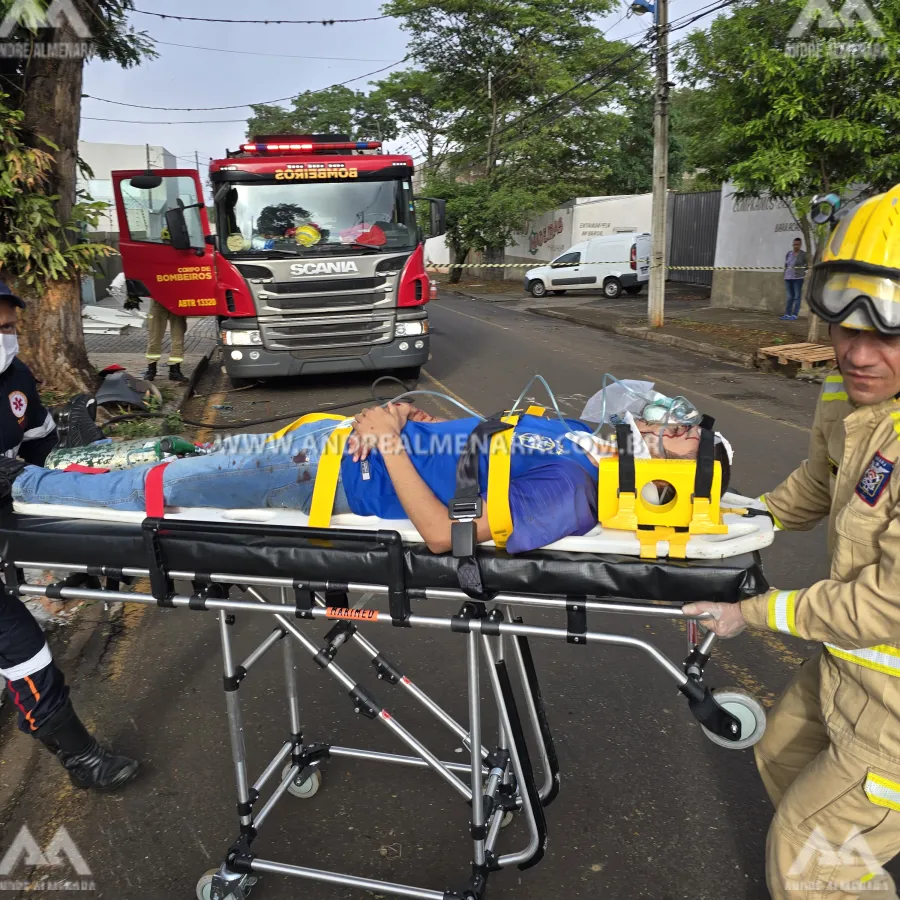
{"type": "Point", "coordinates": [319, 333]}
{"type": "Point", "coordinates": [324, 286]}
{"type": "Point", "coordinates": [333, 301]}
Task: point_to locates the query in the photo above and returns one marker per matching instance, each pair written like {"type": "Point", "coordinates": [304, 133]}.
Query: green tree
{"type": "Point", "coordinates": [791, 124]}
{"type": "Point", "coordinates": [42, 234]}
{"type": "Point", "coordinates": [419, 104]}
{"type": "Point", "coordinates": [336, 110]}
{"type": "Point", "coordinates": [502, 67]}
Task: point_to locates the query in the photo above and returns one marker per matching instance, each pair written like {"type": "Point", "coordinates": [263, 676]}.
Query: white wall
{"type": "Point", "coordinates": [596, 216]}
{"type": "Point", "coordinates": [437, 251]}
{"type": "Point", "coordinates": [752, 232]}
{"type": "Point", "coordinates": [544, 237]}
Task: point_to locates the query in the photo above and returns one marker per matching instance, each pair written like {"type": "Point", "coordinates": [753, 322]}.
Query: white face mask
{"type": "Point", "coordinates": [9, 349]}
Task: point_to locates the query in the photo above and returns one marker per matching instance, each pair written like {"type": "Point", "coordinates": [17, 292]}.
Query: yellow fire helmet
{"type": "Point", "coordinates": [857, 283]}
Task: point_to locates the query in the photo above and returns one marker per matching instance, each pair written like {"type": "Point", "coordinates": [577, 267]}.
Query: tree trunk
{"type": "Point", "coordinates": [51, 337]}
{"type": "Point", "coordinates": [459, 256]}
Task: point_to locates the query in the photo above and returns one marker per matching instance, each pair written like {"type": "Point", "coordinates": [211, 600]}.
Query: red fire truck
{"type": "Point", "coordinates": [317, 264]}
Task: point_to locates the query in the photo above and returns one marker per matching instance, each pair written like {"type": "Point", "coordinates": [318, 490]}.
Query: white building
{"type": "Point", "coordinates": [104, 159]}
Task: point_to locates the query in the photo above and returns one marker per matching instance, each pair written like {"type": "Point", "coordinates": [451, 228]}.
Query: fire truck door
{"type": "Point", "coordinates": [181, 280]}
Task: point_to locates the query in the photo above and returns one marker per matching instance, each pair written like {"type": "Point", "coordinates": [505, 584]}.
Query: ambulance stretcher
{"type": "Point", "coordinates": [278, 563]}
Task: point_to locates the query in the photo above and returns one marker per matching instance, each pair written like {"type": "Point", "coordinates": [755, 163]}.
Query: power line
{"type": "Point", "coordinates": [144, 12]}
{"type": "Point", "coordinates": [242, 105]}
{"type": "Point", "coordinates": [277, 55]}
{"type": "Point", "coordinates": [678, 26]}
{"type": "Point", "coordinates": [184, 122]}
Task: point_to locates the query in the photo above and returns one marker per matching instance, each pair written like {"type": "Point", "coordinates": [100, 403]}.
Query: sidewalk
{"type": "Point", "coordinates": [732, 335]}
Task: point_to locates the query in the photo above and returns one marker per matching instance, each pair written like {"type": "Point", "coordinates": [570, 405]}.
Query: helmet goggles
{"type": "Point", "coordinates": [854, 292]}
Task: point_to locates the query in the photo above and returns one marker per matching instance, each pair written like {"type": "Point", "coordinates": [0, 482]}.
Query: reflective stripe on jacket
{"type": "Point", "coordinates": [848, 476]}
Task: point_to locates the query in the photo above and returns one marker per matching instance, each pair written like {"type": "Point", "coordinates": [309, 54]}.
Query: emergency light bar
{"type": "Point", "coordinates": [334, 145]}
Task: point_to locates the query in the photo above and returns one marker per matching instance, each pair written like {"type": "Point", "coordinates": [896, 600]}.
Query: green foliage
{"type": "Point", "coordinates": [34, 245]}
{"type": "Point", "coordinates": [789, 124]}
{"type": "Point", "coordinates": [112, 38]}
{"type": "Point", "coordinates": [418, 103]}
{"type": "Point", "coordinates": [337, 110]}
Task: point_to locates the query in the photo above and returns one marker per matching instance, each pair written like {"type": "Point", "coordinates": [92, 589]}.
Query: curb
{"type": "Point", "coordinates": [196, 375]}
{"type": "Point", "coordinates": [645, 334]}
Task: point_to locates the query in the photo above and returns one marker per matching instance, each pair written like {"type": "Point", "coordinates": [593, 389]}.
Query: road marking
{"type": "Point", "coordinates": [476, 318]}
{"type": "Point", "coordinates": [210, 414]}
{"type": "Point", "coordinates": [446, 390]}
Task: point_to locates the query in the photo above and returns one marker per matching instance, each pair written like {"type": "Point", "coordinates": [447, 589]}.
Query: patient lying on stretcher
{"type": "Point", "coordinates": [399, 463]}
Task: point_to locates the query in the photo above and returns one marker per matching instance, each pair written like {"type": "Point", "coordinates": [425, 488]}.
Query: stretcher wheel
{"type": "Point", "coordinates": [747, 710]}
{"type": "Point", "coordinates": [507, 818]}
{"type": "Point", "coordinates": [306, 788]}
{"type": "Point", "coordinates": [204, 886]}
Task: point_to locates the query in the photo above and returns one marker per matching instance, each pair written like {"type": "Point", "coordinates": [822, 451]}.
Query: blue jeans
{"type": "Point", "coordinates": [242, 473]}
{"type": "Point", "coordinates": [794, 288]}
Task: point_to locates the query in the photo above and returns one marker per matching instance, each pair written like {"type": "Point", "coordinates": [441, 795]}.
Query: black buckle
{"type": "Point", "coordinates": [463, 512]}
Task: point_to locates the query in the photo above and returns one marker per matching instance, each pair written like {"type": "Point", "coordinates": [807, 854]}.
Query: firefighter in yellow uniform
{"type": "Point", "coordinates": [830, 756]}
{"type": "Point", "coordinates": [157, 320]}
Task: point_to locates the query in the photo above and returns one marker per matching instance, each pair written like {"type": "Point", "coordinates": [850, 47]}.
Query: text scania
{"type": "Point", "coordinates": [343, 267]}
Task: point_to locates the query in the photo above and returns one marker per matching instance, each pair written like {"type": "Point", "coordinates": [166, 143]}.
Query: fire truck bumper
{"type": "Point", "coordinates": [257, 362]}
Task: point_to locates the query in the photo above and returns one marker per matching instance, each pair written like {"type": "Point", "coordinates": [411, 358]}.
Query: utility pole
{"type": "Point", "coordinates": [657, 289]}
{"type": "Point", "coordinates": [147, 146]}
{"type": "Point", "coordinates": [197, 160]}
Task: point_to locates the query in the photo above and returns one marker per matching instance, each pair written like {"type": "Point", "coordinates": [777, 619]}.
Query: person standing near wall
{"type": "Point", "coordinates": [794, 272]}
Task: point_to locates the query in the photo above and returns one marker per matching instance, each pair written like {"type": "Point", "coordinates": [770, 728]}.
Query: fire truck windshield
{"type": "Point", "coordinates": [303, 219]}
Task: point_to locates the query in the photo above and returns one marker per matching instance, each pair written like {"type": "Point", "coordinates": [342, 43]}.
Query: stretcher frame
{"type": "Point", "coordinates": [499, 781]}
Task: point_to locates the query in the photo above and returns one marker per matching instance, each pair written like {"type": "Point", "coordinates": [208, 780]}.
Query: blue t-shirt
{"type": "Point", "coordinates": [553, 483]}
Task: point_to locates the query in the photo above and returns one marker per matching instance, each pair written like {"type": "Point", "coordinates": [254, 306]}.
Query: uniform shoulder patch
{"type": "Point", "coordinates": [874, 479]}
{"type": "Point", "coordinates": [18, 403]}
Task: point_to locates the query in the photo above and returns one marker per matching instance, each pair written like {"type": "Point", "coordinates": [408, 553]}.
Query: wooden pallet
{"type": "Point", "coordinates": [807, 355]}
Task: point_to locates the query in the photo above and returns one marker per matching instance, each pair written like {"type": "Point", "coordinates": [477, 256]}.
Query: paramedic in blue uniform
{"type": "Point", "coordinates": [33, 682]}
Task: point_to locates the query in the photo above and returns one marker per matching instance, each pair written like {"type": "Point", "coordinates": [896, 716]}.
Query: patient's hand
{"type": "Point", "coordinates": [378, 426]}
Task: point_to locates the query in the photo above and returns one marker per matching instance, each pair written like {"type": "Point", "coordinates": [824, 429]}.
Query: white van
{"type": "Point", "coordinates": [612, 263]}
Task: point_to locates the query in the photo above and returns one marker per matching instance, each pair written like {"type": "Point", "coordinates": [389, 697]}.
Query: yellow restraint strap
{"type": "Point", "coordinates": [499, 513]}
{"type": "Point", "coordinates": [329, 466]}
{"type": "Point", "coordinates": [327, 478]}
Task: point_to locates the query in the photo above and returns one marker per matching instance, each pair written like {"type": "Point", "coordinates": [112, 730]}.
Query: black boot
{"type": "Point", "coordinates": [88, 763]}
{"type": "Point", "coordinates": [76, 423]}
{"type": "Point", "coordinates": [150, 374]}
{"type": "Point", "coordinates": [175, 374]}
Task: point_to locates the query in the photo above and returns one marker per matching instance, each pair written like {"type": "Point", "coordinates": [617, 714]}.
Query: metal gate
{"type": "Point", "coordinates": [693, 226]}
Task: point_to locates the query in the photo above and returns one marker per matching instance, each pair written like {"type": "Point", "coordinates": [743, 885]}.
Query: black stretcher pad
{"type": "Point", "coordinates": [259, 550]}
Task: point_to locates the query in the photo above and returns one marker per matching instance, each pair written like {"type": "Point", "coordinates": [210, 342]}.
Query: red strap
{"type": "Point", "coordinates": [155, 503]}
{"type": "Point", "coordinates": [85, 470]}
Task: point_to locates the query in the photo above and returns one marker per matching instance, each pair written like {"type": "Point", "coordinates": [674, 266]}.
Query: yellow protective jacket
{"type": "Point", "coordinates": [849, 476]}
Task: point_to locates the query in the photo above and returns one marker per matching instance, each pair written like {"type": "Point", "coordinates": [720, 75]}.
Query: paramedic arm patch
{"type": "Point", "coordinates": [874, 480]}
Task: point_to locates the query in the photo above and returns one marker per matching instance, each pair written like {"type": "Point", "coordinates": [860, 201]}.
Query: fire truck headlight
{"type": "Point", "coordinates": [409, 329]}
{"type": "Point", "coordinates": [241, 338]}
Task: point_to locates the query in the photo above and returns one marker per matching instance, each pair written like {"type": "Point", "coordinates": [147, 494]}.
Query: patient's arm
{"type": "Point", "coordinates": [425, 511]}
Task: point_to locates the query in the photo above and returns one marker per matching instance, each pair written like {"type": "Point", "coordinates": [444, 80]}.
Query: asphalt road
{"type": "Point", "coordinates": [649, 807]}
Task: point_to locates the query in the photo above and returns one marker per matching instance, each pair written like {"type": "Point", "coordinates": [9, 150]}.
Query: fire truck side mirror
{"type": "Point", "coordinates": [146, 182]}
{"type": "Point", "coordinates": [438, 217]}
{"type": "Point", "coordinates": [179, 236]}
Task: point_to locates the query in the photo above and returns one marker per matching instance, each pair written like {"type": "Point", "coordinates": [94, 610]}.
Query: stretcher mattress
{"type": "Point", "coordinates": [242, 543]}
